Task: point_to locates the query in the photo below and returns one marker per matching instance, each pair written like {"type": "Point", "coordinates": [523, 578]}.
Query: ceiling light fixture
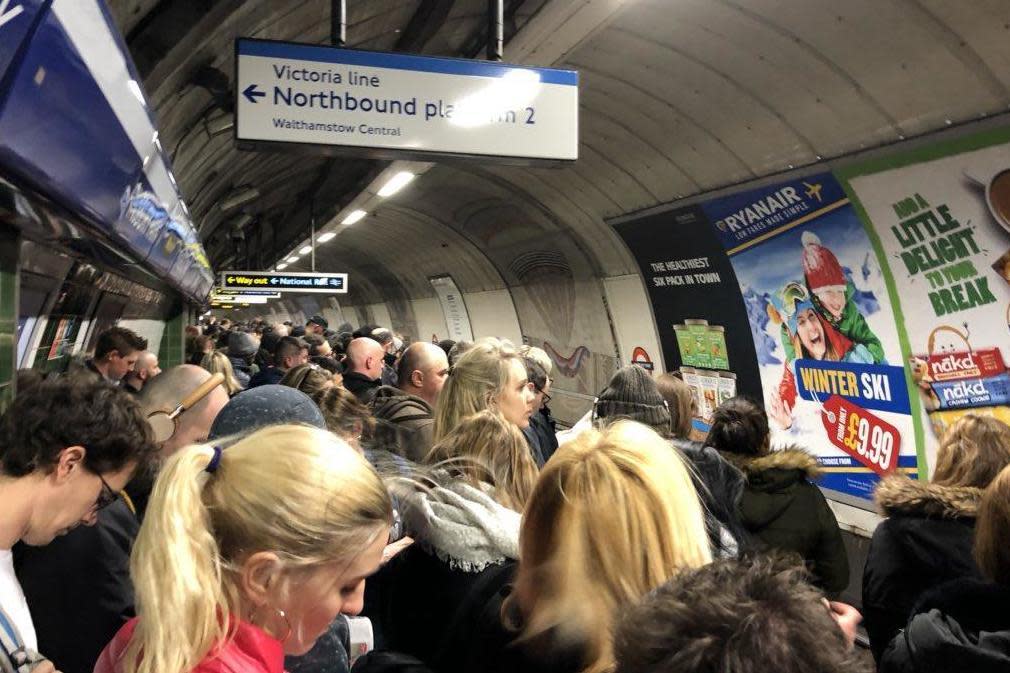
{"type": "Point", "coordinates": [282, 266]}
{"type": "Point", "coordinates": [396, 183]}
{"type": "Point", "coordinates": [305, 250]}
{"type": "Point", "coordinates": [324, 238]}
{"type": "Point", "coordinates": [354, 216]}
{"type": "Point", "coordinates": [292, 260]}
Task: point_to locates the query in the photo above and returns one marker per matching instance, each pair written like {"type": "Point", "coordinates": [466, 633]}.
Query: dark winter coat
{"type": "Point", "coordinates": [266, 377]}
{"type": "Point", "coordinates": [783, 510]}
{"type": "Point", "coordinates": [546, 429]}
{"type": "Point", "coordinates": [328, 655]}
{"type": "Point", "coordinates": [361, 386]}
{"type": "Point", "coordinates": [405, 424]}
{"type": "Point", "coordinates": [242, 369]}
{"type": "Point", "coordinates": [720, 487]}
{"type": "Point", "coordinates": [78, 588]}
{"type": "Point", "coordinates": [421, 606]}
{"type": "Point", "coordinates": [963, 625]}
{"type": "Point", "coordinates": [925, 541]}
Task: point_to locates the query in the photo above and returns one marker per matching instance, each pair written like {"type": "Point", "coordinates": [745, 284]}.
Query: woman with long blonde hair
{"type": "Point", "coordinates": [487, 450]}
{"type": "Point", "coordinates": [463, 513]}
{"type": "Point", "coordinates": [249, 551]}
{"type": "Point", "coordinates": [614, 515]}
{"type": "Point", "coordinates": [217, 362]}
{"type": "Point", "coordinates": [491, 375]}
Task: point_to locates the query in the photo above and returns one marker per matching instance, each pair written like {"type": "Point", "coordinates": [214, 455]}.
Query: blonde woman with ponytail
{"type": "Point", "coordinates": [249, 552]}
{"type": "Point", "coordinates": [490, 375]}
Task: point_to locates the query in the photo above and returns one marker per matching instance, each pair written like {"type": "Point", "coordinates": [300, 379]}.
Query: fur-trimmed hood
{"type": "Point", "coordinates": [901, 496]}
{"type": "Point", "coordinates": [789, 458]}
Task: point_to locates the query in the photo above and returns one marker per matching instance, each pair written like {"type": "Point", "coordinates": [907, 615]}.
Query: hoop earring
{"type": "Point", "coordinates": [287, 624]}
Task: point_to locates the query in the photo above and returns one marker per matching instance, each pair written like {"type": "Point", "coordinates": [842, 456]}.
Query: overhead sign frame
{"type": "Point", "coordinates": [276, 281]}
{"type": "Point", "coordinates": [538, 112]}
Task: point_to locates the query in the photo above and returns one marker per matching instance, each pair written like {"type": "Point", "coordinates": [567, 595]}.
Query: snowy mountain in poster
{"type": "Point", "coordinates": [757, 314]}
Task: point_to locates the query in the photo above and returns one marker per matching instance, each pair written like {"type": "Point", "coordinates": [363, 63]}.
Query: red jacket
{"type": "Point", "coordinates": [250, 651]}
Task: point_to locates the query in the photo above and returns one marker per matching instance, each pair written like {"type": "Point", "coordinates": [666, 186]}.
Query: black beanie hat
{"type": "Point", "coordinates": [633, 394]}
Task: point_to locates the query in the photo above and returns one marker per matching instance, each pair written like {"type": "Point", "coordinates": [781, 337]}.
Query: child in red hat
{"type": "Point", "coordinates": [832, 295]}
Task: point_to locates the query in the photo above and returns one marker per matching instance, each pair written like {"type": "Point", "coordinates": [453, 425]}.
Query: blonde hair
{"type": "Point", "coordinates": [991, 529]}
{"type": "Point", "coordinates": [478, 376]}
{"type": "Point", "coordinates": [680, 401]}
{"type": "Point", "coordinates": [296, 491]}
{"type": "Point", "coordinates": [538, 355]}
{"type": "Point", "coordinates": [343, 413]}
{"type": "Point", "coordinates": [485, 448]}
{"type": "Point", "coordinates": [972, 452]}
{"type": "Point", "coordinates": [309, 379]}
{"type": "Point", "coordinates": [217, 362]}
{"type": "Point", "coordinates": [613, 516]}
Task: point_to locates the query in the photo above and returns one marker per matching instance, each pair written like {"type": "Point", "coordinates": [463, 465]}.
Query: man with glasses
{"type": "Point", "coordinates": [541, 432]}
{"type": "Point", "coordinates": [79, 588]}
{"type": "Point", "coordinates": [67, 446]}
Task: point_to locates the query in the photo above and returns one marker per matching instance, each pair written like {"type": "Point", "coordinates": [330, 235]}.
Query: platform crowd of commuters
{"type": "Point", "coordinates": [314, 500]}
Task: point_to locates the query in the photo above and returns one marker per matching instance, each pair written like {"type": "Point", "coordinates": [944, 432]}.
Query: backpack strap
{"type": "Point", "coordinates": [15, 657]}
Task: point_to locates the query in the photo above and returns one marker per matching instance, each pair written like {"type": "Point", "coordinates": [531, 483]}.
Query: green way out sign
{"type": "Point", "coordinates": [322, 283]}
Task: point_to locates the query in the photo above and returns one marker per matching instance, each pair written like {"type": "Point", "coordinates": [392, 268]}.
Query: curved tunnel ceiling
{"type": "Point", "coordinates": [677, 98]}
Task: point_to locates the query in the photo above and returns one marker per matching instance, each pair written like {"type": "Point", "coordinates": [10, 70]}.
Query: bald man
{"type": "Point", "coordinates": [363, 368]}
{"type": "Point", "coordinates": [405, 414]}
{"type": "Point", "coordinates": [79, 586]}
{"type": "Point", "coordinates": [145, 370]}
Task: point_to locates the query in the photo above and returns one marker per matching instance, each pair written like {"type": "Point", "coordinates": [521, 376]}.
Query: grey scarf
{"type": "Point", "coordinates": [462, 526]}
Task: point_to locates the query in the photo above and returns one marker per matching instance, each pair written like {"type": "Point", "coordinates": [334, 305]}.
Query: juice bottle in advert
{"type": "Point", "coordinates": [727, 386]}
{"type": "Point", "coordinates": [717, 347]}
{"type": "Point", "coordinates": [698, 330]}
{"type": "Point", "coordinates": [690, 375]}
{"type": "Point", "coordinates": [685, 343]}
{"type": "Point", "coordinates": [710, 393]}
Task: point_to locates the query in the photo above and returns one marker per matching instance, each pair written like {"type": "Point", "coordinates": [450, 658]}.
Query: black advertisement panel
{"type": "Point", "coordinates": [700, 313]}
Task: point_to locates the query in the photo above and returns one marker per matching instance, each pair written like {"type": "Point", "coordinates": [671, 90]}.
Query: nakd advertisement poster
{"type": "Point", "coordinates": [828, 347]}
{"type": "Point", "coordinates": [941, 217]}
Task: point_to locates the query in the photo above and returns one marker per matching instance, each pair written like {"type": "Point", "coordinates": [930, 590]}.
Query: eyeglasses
{"type": "Point", "coordinates": [105, 497]}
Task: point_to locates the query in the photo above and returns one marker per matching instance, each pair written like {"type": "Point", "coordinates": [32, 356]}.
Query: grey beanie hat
{"type": "Point", "coordinates": [266, 405]}
{"type": "Point", "coordinates": [633, 394]}
{"type": "Point", "coordinates": [242, 344]}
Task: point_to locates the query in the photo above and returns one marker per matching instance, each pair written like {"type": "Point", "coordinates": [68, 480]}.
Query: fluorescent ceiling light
{"type": "Point", "coordinates": [323, 238]}
{"type": "Point", "coordinates": [292, 260]}
{"type": "Point", "coordinates": [354, 217]}
{"type": "Point", "coordinates": [282, 266]}
{"type": "Point", "coordinates": [305, 250]}
{"type": "Point", "coordinates": [396, 183]}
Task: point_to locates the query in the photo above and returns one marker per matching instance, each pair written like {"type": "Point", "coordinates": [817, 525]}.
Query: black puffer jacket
{"type": "Point", "coordinates": [783, 510]}
{"type": "Point", "coordinates": [925, 541]}
{"type": "Point", "coordinates": [963, 625]}
{"type": "Point", "coordinates": [720, 486]}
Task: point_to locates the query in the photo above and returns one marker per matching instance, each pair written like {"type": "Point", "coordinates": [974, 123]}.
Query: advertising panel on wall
{"type": "Point", "coordinates": [699, 312]}
{"type": "Point", "coordinates": [824, 331]}
{"type": "Point", "coordinates": [941, 220]}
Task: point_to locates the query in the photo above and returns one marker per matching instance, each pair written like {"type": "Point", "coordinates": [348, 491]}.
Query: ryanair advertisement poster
{"type": "Point", "coordinates": [828, 349]}
{"type": "Point", "coordinates": [941, 219]}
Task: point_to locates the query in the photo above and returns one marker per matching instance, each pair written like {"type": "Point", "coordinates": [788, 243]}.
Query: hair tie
{"type": "Point", "coordinates": [215, 461]}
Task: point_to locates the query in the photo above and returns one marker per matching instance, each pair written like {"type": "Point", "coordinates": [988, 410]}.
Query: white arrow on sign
{"type": "Point", "coordinates": [8, 14]}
